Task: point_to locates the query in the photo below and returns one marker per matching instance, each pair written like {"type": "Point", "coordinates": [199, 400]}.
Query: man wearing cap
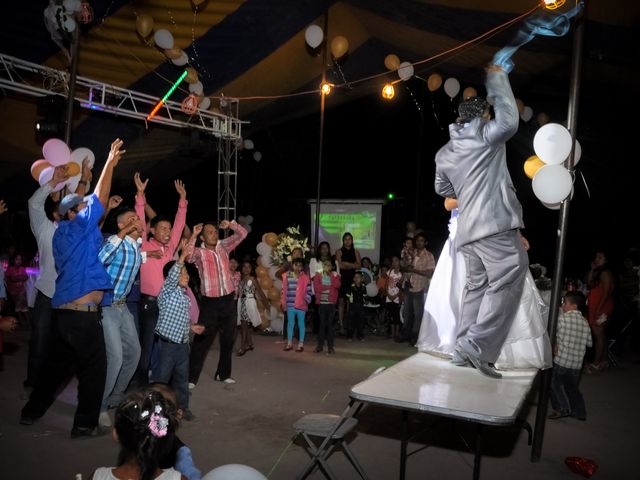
{"type": "Point", "coordinates": [43, 219]}
{"type": "Point", "coordinates": [81, 287]}
{"type": "Point", "coordinates": [472, 167]}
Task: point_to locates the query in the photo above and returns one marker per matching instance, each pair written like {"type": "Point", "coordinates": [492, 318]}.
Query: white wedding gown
{"type": "Point", "coordinates": [526, 346]}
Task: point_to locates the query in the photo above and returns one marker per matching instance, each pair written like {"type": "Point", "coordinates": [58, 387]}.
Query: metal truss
{"type": "Point", "coordinates": [38, 80]}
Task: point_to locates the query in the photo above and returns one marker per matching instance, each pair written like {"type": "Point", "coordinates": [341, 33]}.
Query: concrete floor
{"type": "Point", "coordinates": [251, 422]}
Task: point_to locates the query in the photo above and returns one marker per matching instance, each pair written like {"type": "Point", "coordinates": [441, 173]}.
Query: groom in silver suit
{"type": "Point", "coordinates": [472, 167]}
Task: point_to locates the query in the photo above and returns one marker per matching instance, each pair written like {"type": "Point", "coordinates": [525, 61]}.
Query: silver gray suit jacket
{"type": "Point", "coordinates": [472, 167]}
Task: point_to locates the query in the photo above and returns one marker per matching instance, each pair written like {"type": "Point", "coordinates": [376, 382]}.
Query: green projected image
{"type": "Point", "coordinates": [362, 226]}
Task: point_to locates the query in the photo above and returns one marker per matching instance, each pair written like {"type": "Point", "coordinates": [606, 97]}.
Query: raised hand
{"type": "Point", "coordinates": [224, 224]}
{"type": "Point", "coordinates": [87, 173]}
{"type": "Point", "coordinates": [3, 207]}
{"type": "Point", "coordinates": [197, 230]}
{"type": "Point", "coordinates": [182, 191]}
{"type": "Point", "coordinates": [186, 249]}
{"type": "Point", "coordinates": [59, 175]}
{"type": "Point", "coordinates": [114, 202]}
{"type": "Point", "coordinates": [115, 153]}
{"type": "Point", "coordinates": [140, 185]}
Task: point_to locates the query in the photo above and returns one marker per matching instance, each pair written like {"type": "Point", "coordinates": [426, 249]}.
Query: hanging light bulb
{"type": "Point", "coordinates": [553, 4]}
{"type": "Point", "coordinates": [325, 88]}
{"type": "Point", "coordinates": [85, 14]}
{"type": "Point", "coordinates": [388, 91]}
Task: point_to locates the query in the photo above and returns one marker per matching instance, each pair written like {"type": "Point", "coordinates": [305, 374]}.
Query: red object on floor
{"type": "Point", "coordinates": [583, 466]}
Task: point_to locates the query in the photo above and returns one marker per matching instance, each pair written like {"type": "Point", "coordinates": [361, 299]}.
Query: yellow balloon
{"type": "Point", "coordinates": [542, 118]}
{"type": "Point", "coordinates": [271, 239]}
{"type": "Point", "coordinates": [144, 25]}
{"type": "Point", "coordinates": [73, 169]}
{"type": "Point", "coordinates": [434, 82]}
{"type": "Point", "coordinates": [520, 105]}
{"type": "Point", "coordinates": [532, 165]}
{"type": "Point", "coordinates": [192, 75]}
{"type": "Point", "coordinates": [339, 46]}
{"type": "Point", "coordinates": [198, 2]}
{"type": "Point", "coordinates": [392, 62]}
{"type": "Point", "coordinates": [469, 92]}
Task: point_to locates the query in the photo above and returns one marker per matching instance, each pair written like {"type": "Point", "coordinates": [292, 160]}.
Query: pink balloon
{"type": "Point", "coordinates": [47, 175]}
{"type": "Point", "coordinates": [56, 151]}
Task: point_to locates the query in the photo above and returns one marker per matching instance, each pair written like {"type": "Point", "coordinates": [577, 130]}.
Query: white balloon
{"type": "Point", "coordinates": [248, 228]}
{"type": "Point", "coordinates": [277, 283]}
{"type": "Point", "coordinates": [196, 88]}
{"type": "Point", "coordinates": [249, 219]}
{"type": "Point", "coordinates": [79, 154]}
{"type": "Point", "coordinates": [265, 261]}
{"type": "Point", "coordinates": [577, 154]}
{"type": "Point", "coordinates": [527, 114]}
{"type": "Point", "coordinates": [405, 70]}
{"type": "Point", "coordinates": [556, 206]}
{"type": "Point", "coordinates": [163, 38]}
{"type": "Point", "coordinates": [313, 35]}
{"type": "Point", "coordinates": [181, 60]}
{"type": "Point", "coordinates": [242, 220]}
{"type": "Point", "coordinates": [451, 87]}
{"type": "Point", "coordinates": [552, 183]}
{"type": "Point", "coordinates": [234, 471]}
{"type": "Point", "coordinates": [45, 177]}
{"type": "Point", "coordinates": [263, 249]}
{"type": "Point", "coordinates": [552, 143]}
{"type": "Point", "coordinates": [257, 156]}
{"type": "Point", "coordinates": [372, 289]}
{"type": "Point", "coordinates": [276, 322]}
{"type": "Point", "coordinates": [205, 103]}
{"type": "Point", "coordinates": [272, 274]}
{"type": "Point", "coordinates": [248, 144]}
{"type": "Point", "coordinates": [69, 24]}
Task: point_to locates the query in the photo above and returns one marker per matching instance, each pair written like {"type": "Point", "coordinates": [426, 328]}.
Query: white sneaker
{"type": "Point", "coordinates": [192, 386]}
{"type": "Point", "coordinates": [229, 380]}
{"type": "Point", "coordinates": [104, 420]}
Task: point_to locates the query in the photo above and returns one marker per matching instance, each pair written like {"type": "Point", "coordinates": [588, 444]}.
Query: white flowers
{"type": "Point", "coordinates": [287, 242]}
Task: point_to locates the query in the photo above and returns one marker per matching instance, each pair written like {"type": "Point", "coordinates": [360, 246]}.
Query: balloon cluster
{"type": "Point", "coordinates": [56, 153]}
{"type": "Point", "coordinates": [552, 183]}
{"type": "Point", "coordinates": [246, 222]}
{"type": "Point", "coordinates": [248, 145]}
{"type": "Point", "coordinates": [339, 45]}
{"type": "Point", "coordinates": [234, 471]}
{"type": "Point", "coordinates": [272, 286]}
{"type": "Point", "coordinates": [164, 40]}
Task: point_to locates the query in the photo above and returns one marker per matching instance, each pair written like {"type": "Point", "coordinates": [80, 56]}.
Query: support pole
{"type": "Point", "coordinates": [563, 222]}
{"type": "Point", "coordinates": [316, 233]}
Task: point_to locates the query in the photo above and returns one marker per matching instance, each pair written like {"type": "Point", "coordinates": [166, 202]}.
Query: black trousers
{"type": "Point", "coordinates": [41, 337]}
{"type": "Point", "coordinates": [148, 318]}
{"type": "Point", "coordinates": [217, 314]}
{"type": "Point", "coordinates": [77, 348]}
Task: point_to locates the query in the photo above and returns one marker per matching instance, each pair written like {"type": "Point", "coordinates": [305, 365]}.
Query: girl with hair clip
{"type": "Point", "coordinates": [145, 426]}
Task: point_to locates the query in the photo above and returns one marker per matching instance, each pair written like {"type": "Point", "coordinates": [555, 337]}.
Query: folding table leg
{"type": "Point", "coordinates": [404, 440]}
{"type": "Point", "coordinates": [354, 461]}
{"type": "Point", "coordinates": [478, 452]}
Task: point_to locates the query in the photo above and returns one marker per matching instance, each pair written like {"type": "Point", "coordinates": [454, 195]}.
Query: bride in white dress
{"type": "Point", "coordinates": [526, 346]}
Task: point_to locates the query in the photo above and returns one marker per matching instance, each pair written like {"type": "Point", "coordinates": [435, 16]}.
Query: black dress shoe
{"type": "Point", "coordinates": [27, 420]}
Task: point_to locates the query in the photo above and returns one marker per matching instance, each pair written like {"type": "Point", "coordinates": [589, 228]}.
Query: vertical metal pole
{"type": "Point", "coordinates": [75, 44]}
{"type": "Point", "coordinates": [321, 137]}
{"type": "Point", "coordinates": [572, 119]}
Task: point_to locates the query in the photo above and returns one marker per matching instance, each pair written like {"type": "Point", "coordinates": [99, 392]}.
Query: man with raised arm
{"type": "Point", "coordinates": [82, 287]}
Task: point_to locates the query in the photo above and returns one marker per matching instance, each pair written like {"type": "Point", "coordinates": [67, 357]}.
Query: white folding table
{"type": "Point", "coordinates": [427, 384]}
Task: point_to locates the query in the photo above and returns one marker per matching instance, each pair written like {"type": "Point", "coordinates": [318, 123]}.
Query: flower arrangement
{"type": "Point", "coordinates": [287, 242]}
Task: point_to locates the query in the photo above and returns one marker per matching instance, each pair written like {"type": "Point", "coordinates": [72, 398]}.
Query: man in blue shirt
{"type": "Point", "coordinates": [121, 255]}
{"type": "Point", "coordinates": [82, 286]}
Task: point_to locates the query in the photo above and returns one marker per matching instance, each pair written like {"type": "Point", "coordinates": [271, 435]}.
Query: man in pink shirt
{"type": "Point", "coordinates": [217, 305]}
{"type": "Point", "coordinates": [160, 249]}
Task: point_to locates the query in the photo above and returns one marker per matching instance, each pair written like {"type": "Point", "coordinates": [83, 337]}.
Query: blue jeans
{"type": "Point", "coordinates": [123, 352]}
{"type": "Point", "coordinates": [565, 396]}
{"type": "Point", "coordinates": [173, 366]}
{"type": "Point", "coordinates": [294, 315]}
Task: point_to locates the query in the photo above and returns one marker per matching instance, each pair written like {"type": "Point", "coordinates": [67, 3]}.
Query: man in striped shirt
{"type": "Point", "coordinates": [121, 256]}
{"type": "Point", "coordinates": [217, 305]}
